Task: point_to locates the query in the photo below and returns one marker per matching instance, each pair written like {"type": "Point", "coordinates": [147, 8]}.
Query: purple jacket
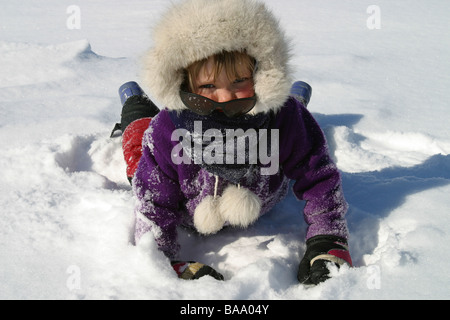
{"type": "Point", "coordinates": [168, 194]}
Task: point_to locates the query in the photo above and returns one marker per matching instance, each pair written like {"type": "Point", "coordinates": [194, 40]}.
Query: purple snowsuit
{"type": "Point", "coordinates": [168, 194]}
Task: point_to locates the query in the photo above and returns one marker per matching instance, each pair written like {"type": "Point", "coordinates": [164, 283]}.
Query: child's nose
{"type": "Point", "coordinates": [224, 95]}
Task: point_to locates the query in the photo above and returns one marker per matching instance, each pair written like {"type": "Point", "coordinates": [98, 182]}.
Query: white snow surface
{"type": "Point", "coordinates": [380, 95]}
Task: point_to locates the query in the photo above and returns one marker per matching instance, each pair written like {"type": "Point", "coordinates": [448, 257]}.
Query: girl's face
{"type": "Point", "coordinates": [223, 89]}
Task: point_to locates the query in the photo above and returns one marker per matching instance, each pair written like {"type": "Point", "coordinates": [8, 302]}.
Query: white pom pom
{"type": "Point", "coordinates": [239, 206]}
{"type": "Point", "coordinates": [207, 219]}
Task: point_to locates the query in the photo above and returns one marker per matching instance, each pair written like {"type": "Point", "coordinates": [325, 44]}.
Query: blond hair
{"type": "Point", "coordinates": [233, 62]}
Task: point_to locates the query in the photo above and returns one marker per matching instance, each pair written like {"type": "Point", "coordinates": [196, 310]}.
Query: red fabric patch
{"type": "Point", "coordinates": [132, 144]}
{"type": "Point", "coordinates": [343, 254]}
{"type": "Point", "coordinates": [180, 267]}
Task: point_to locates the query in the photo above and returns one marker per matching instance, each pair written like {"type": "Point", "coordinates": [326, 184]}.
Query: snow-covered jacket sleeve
{"type": "Point", "coordinates": [305, 158]}
{"type": "Point", "coordinates": [157, 190]}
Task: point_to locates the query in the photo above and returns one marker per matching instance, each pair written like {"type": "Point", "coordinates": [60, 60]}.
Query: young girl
{"type": "Point", "coordinates": [220, 66]}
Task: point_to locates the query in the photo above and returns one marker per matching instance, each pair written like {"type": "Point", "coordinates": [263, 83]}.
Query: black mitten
{"type": "Point", "coordinates": [321, 250]}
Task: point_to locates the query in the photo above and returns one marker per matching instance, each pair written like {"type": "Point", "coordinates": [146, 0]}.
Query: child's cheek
{"type": "Point", "coordinates": [245, 92]}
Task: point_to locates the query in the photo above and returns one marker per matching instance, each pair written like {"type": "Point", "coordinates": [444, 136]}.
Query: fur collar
{"type": "Point", "coordinates": [196, 29]}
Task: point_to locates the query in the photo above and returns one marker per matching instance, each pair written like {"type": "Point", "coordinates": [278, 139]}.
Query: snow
{"type": "Point", "coordinates": [380, 94]}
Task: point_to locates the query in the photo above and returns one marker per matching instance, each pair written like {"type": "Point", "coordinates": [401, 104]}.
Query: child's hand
{"type": "Point", "coordinates": [321, 250]}
{"type": "Point", "coordinates": [191, 270]}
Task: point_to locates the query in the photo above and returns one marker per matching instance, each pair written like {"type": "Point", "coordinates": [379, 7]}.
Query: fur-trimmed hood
{"type": "Point", "coordinates": [196, 29]}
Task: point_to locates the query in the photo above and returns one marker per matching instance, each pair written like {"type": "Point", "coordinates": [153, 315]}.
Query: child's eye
{"type": "Point", "coordinates": [206, 86]}
{"type": "Point", "coordinates": [241, 80]}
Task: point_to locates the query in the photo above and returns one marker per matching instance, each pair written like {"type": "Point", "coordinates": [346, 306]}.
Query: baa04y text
{"type": "Point", "coordinates": [227, 309]}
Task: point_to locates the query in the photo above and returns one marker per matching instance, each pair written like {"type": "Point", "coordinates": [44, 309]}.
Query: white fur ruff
{"type": "Point", "coordinates": [238, 206]}
{"type": "Point", "coordinates": [196, 29]}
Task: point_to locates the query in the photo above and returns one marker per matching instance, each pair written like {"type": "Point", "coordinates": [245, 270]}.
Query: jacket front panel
{"type": "Point", "coordinates": [169, 193]}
